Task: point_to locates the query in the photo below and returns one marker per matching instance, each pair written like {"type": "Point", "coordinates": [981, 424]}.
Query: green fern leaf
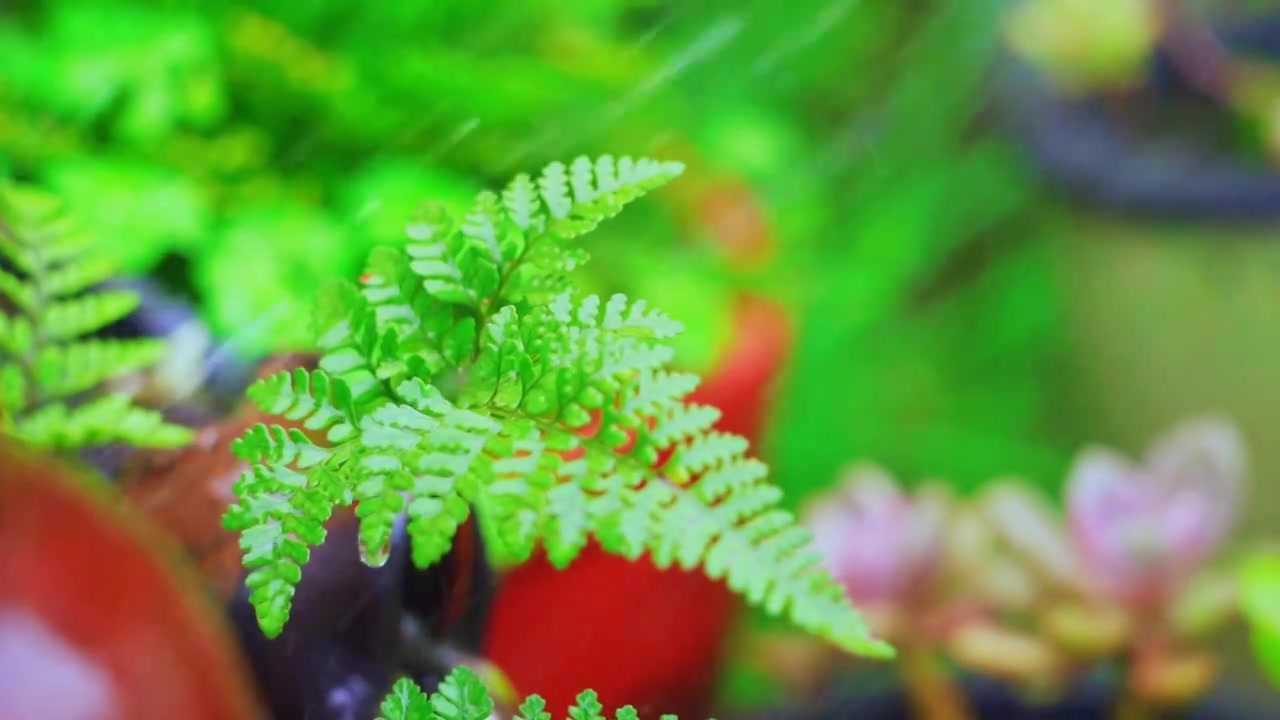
{"type": "Point", "coordinates": [533, 708]}
{"type": "Point", "coordinates": [587, 707]}
{"type": "Point", "coordinates": [464, 373]}
{"type": "Point", "coordinates": [406, 701]}
{"type": "Point", "coordinates": [425, 448]}
{"type": "Point", "coordinates": [67, 319]}
{"type": "Point", "coordinates": [17, 291]}
{"type": "Point", "coordinates": [17, 339]}
{"type": "Point", "coordinates": [62, 371]}
{"type": "Point", "coordinates": [102, 421]}
{"type": "Point", "coordinates": [437, 258]}
{"type": "Point", "coordinates": [277, 446]}
{"type": "Point", "coordinates": [45, 365]}
{"type": "Point", "coordinates": [78, 277]}
{"type": "Point", "coordinates": [282, 519]}
{"type": "Point", "coordinates": [463, 696]}
{"type": "Point", "coordinates": [568, 522]}
{"type": "Point", "coordinates": [320, 402]}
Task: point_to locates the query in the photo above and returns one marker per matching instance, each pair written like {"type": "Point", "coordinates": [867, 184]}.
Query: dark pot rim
{"type": "Point", "coordinates": [1092, 698]}
{"type": "Point", "coordinates": [1081, 148]}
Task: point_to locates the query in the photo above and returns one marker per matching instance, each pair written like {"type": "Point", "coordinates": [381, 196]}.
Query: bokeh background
{"type": "Point", "coordinates": [994, 231]}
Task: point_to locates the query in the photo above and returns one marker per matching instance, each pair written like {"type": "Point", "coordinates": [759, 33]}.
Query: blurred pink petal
{"type": "Point", "coordinates": [1142, 530]}
{"type": "Point", "coordinates": [876, 540]}
{"type": "Point", "coordinates": [1205, 465]}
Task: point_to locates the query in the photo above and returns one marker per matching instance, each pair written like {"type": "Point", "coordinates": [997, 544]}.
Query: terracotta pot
{"type": "Point", "coordinates": [96, 620]}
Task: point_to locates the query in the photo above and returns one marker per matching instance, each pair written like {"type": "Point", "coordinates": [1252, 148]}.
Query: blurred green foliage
{"type": "Point", "coordinates": [269, 144]}
{"type": "Point", "coordinates": [930, 325]}
{"type": "Point", "coordinates": [247, 150]}
{"type": "Point", "coordinates": [1260, 603]}
{"type": "Point", "coordinates": [936, 313]}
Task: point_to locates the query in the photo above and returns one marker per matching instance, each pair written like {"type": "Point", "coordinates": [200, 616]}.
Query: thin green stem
{"type": "Point", "coordinates": [933, 691]}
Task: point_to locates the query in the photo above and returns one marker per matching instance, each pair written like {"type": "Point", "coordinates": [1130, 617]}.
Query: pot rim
{"type": "Point", "coordinates": [1083, 150]}
{"type": "Point", "coordinates": [1096, 691]}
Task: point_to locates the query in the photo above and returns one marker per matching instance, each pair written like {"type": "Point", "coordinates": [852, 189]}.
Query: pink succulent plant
{"type": "Point", "coordinates": [880, 543]}
{"type": "Point", "coordinates": [1140, 531]}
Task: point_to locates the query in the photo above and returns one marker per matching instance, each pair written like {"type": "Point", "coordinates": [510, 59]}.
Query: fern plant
{"type": "Point", "coordinates": [47, 362]}
{"type": "Point", "coordinates": [463, 696]}
{"type": "Point", "coordinates": [465, 371]}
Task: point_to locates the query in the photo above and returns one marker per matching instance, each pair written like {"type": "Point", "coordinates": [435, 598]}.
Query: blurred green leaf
{"type": "Point", "coordinates": [269, 141]}
{"type": "Point", "coordinates": [943, 342]}
{"type": "Point", "coordinates": [158, 69]}
{"type": "Point", "coordinates": [139, 210]}
{"type": "Point", "coordinates": [381, 198]}
{"type": "Point", "coordinates": [256, 282]}
{"type": "Point", "coordinates": [1260, 602]}
{"type": "Point", "coordinates": [693, 293]}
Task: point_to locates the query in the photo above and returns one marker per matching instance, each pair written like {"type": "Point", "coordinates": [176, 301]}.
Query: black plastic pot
{"type": "Point", "coordinates": [1165, 241]}
{"type": "Point", "coordinates": [1093, 699]}
{"type": "Point", "coordinates": [1168, 157]}
{"type": "Point", "coordinates": [354, 629]}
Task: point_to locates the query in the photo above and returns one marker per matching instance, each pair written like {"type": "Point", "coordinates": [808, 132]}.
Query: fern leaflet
{"type": "Point", "coordinates": [463, 696]}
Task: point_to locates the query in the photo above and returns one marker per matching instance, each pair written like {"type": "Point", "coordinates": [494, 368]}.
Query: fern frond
{"type": "Point", "coordinates": [463, 696]}
{"type": "Point", "coordinates": [78, 277]}
{"type": "Point", "coordinates": [514, 502]}
{"type": "Point", "coordinates": [68, 319]}
{"type": "Point", "coordinates": [64, 370]}
{"type": "Point", "coordinates": [46, 362]}
{"type": "Point", "coordinates": [105, 420]}
{"type": "Point", "coordinates": [281, 519]}
{"type": "Point", "coordinates": [312, 398]}
{"type": "Point", "coordinates": [407, 701]}
{"type": "Point", "coordinates": [513, 244]}
{"type": "Point", "coordinates": [464, 372]}
{"type": "Point", "coordinates": [427, 448]}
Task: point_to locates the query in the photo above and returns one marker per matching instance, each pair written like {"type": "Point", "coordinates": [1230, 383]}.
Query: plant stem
{"type": "Point", "coordinates": [933, 691]}
{"type": "Point", "coordinates": [1131, 707]}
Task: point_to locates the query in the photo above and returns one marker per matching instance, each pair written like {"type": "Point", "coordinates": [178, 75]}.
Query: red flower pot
{"type": "Point", "coordinates": [636, 634]}
{"type": "Point", "coordinates": [95, 622]}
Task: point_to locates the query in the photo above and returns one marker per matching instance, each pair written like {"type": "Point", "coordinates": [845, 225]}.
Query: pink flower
{"type": "Point", "coordinates": [879, 543]}
{"type": "Point", "coordinates": [1141, 531]}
